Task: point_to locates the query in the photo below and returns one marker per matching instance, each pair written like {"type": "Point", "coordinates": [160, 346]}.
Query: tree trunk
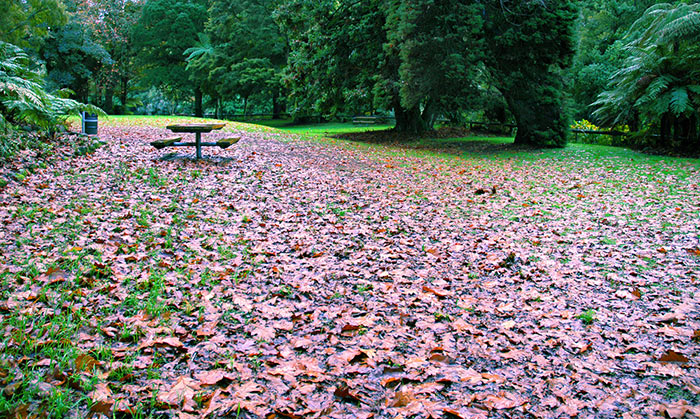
{"type": "Point", "coordinates": [428, 116]}
{"type": "Point", "coordinates": [411, 121]}
{"type": "Point", "coordinates": [692, 130]}
{"type": "Point", "coordinates": [217, 109]}
{"type": "Point", "coordinates": [198, 102]}
{"type": "Point", "coordinates": [665, 131]}
{"type": "Point", "coordinates": [275, 105]}
{"type": "Point", "coordinates": [539, 124]}
{"type": "Point", "coordinates": [109, 99]}
{"type": "Point", "coordinates": [245, 105]}
{"type": "Point", "coordinates": [124, 94]}
{"type": "Point", "coordinates": [408, 120]}
{"type": "Point", "coordinates": [634, 123]}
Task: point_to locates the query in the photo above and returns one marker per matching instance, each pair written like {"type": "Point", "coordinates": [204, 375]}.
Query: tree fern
{"type": "Point", "coordinates": [659, 76]}
{"type": "Point", "coordinates": [23, 99]}
{"type": "Point", "coordinates": [680, 101]}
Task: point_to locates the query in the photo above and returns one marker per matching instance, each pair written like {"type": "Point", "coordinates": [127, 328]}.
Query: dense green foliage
{"type": "Point", "coordinates": [424, 58]}
{"type": "Point", "coordinates": [600, 50]}
{"type": "Point", "coordinates": [529, 44]}
{"type": "Point", "coordinates": [165, 30]}
{"type": "Point", "coordinates": [73, 57]}
{"type": "Point", "coordinates": [657, 87]}
{"type": "Point", "coordinates": [25, 101]}
{"type": "Point", "coordinates": [25, 23]}
{"type": "Point", "coordinates": [242, 52]}
{"type": "Point", "coordinates": [535, 63]}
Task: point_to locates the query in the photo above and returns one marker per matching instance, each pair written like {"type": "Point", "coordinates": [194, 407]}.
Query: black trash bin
{"type": "Point", "coordinates": [89, 123]}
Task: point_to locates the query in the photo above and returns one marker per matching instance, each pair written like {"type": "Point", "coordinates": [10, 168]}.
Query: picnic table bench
{"type": "Point", "coordinates": [368, 120]}
{"type": "Point", "coordinates": [198, 130]}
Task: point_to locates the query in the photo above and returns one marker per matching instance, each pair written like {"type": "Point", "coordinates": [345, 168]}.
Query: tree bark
{"type": "Point", "coordinates": [665, 131]}
{"type": "Point", "coordinates": [428, 116]}
{"type": "Point", "coordinates": [124, 94]}
{"type": "Point", "coordinates": [539, 122]}
{"type": "Point", "coordinates": [692, 130]}
{"type": "Point", "coordinates": [412, 121]}
{"type": "Point", "coordinates": [109, 99]}
{"type": "Point", "coordinates": [198, 102]}
{"type": "Point", "coordinates": [276, 108]}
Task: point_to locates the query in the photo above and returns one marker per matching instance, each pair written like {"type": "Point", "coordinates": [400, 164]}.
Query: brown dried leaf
{"type": "Point", "coordinates": [181, 394]}
{"type": "Point", "coordinates": [85, 362]}
{"type": "Point", "coordinates": [673, 356]}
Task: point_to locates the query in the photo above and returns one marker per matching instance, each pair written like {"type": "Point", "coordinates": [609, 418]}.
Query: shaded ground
{"type": "Point", "coordinates": [289, 278]}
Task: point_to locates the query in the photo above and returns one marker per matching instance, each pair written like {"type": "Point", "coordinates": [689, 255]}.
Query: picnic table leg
{"type": "Point", "coordinates": [198, 140]}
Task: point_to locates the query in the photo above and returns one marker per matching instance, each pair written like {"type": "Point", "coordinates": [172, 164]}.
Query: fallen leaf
{"type": "Point", "coordinates": [84, 362]}
{"type": "Point", "coordinates": [101, 393]}
{"type": "Point", "coordinates": [102, 407]}
{"type": "Point", "coordinates": [181, 394]}
{"type": "Point", "coordinates": [675, 410]}
{"type": "Point", "coordinates": [673, 356]}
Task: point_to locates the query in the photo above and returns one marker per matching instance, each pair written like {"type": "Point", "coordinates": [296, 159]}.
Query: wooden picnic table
{"type": "Point", "coordinates": [198, 130]}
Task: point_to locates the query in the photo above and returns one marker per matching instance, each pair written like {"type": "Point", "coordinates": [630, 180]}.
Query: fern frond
{"type": "Point", "coordinates": [661, 105]}
{"type": "Point", "coordinates": [694, 88]}
{"type": "Point", "coordinates": [680, 102]}
{"type": "Point", "coordinates": [683, 28]}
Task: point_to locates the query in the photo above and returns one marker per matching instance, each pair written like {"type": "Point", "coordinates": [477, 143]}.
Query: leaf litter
{"type": "Point", "coordinates": [291, 278]}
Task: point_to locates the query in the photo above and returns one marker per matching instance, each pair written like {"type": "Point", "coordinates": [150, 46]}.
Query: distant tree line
{"type": "Point", "coordinates": [537, 63]}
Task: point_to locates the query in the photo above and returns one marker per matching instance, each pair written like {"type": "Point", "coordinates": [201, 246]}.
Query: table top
{"type": "Point", "coordinates": [194, 127]}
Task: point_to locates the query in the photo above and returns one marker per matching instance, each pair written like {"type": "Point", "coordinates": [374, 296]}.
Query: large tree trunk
{"type": "Point", "coordinates": [540, 123]}
{"type": "Point", "coordinates": [692, 130]}
{"type": "Point", "coordinates": [198, 102]}
{"type": "Point", "coordinates": [412, 121]}
{"type": "Point", "coordinates": [665, 131]}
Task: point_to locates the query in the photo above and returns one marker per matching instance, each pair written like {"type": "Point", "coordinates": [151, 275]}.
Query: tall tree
{"type": "Point", "coordinates": [248, 51]}
{"type": "Point", "coordinates": [335, 51]}
{"type": "Point", "coordinates": [437, 47]}
{"type": "Point", "coordinates": [164, 31]}
{"type": "Point", "coordinates": [415, 57]}
{"type": "Point", "coordinates": [72, 58]}
{"type": "Point", "coordinates": [111, 22]}
{"type": "Point", "coordinates": [419, 58]}
{"type": "Point", "coordinates": [601, 28]}
{"type": "Point", "coordinates": [529, 43]}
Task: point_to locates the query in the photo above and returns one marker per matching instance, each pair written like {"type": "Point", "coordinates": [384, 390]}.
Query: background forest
{"type": "Point", "coordinates": [619, 64]}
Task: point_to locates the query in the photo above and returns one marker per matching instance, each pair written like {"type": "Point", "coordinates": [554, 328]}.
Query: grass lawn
{"type": "Point", "coordinates": [296, 275]}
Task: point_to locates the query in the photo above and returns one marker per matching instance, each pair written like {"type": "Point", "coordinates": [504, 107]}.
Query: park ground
{"type": "Point", "coordinates": [294, 275]}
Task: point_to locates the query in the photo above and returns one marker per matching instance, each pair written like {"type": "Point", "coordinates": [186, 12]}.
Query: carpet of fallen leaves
{"type": "Point", "coordinates": [291, 278]}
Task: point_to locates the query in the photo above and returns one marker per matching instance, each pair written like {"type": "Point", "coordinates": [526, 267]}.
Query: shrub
{"type": "Point", "coordinates": [600, 139]}
{"type": "Point", "coordinates": [25, 102]}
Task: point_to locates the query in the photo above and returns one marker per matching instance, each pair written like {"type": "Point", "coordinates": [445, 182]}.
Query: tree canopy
{"type": "Point", "coordinates": [422, 59]}
{"type": "Point", "coordinates": [535, 63]}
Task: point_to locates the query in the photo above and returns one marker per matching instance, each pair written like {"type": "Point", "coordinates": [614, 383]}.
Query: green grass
{"type": "Point", "coordinates": [330, 128]}
{"type": "Point", "coordinates": [587, 317]}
